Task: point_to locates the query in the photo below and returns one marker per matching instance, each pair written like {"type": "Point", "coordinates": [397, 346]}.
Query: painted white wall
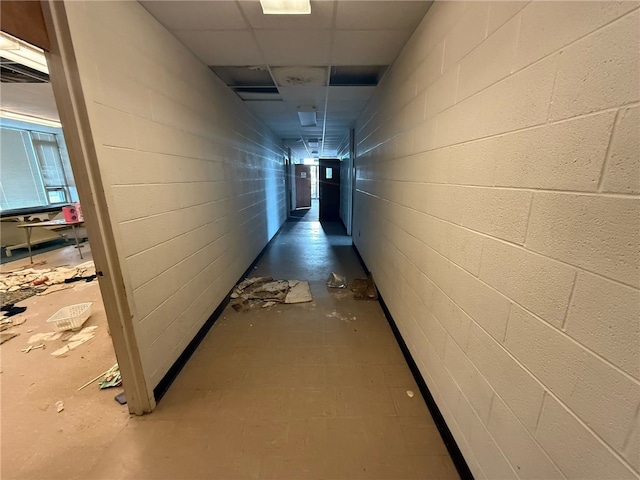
{"type": "Point", "coordinates": [499, 173]}
{"type": "Point", "coordinates": [195, 185]}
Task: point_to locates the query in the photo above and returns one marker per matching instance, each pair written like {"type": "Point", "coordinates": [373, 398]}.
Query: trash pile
{"type": "Point", "coordinates": [6, 322]}
{"type": "Point", "coordinates": [362, 288]}
{"type": "Point", "coordinates": [336, 280]}
{"type": "Point", "coordinates": [110, 378]}
{"type": "Point", "coordinates": [21, 284]}
{"type": "Point", "coordinates": [266, 292]}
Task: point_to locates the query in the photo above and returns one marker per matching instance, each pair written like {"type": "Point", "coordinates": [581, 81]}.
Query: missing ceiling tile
{"type": "Point", "coordinates": [258, 93]}
{"type": "Point", "coordinates": [14, 72]}
{"type": "Point", "coordinates": [357, 75]}
{"type": "Point", "coordinates": [256, 76]}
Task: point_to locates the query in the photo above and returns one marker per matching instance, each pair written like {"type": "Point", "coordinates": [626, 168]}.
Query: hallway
{"type": "Point", "coordinates": [489, 176]}
{"type": "Point", "coordinates": [307, 391]}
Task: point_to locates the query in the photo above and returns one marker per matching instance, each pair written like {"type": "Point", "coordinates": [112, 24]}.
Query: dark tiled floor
{"type": "Point", "coordinates": [308, 391]}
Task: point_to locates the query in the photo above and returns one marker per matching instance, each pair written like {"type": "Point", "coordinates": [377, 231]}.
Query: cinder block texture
{"type": "Point", "coordinates": [509, 217]}
{"type": "Point", "coordinates": [188, 173]}
{"type": "Point", "coordinates": [574, 448]}
{"type": "Point", "coordinates": [604, 316]}
{"type": "Point", "coordinates": [597, 233]}
{"type": "Point", "coordinates": [623, 169]}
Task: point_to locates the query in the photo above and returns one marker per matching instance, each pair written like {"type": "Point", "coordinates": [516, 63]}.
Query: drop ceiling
{"type": "Point", "coordinates": [328, 61]}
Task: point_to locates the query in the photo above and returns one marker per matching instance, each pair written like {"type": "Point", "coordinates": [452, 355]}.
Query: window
{"type": "Point", "coordinates": [20, 181]}
{"type": "Point", "coordinates": [51, 169]}
{"type": "Point", "coordinates": [328, 173]}
{"type": "Point", "coordinates": [35, 170]}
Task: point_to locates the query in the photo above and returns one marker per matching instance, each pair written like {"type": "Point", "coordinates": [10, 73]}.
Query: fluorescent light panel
{"type": "Point", "coordinates": [286, 7]}
{"type": "Point", "coordinates": [23, 53]}
{"type": "Point", "coordinates": [29, 119]}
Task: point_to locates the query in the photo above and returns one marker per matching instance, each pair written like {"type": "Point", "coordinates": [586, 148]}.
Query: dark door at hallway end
{"type": "Point", "coordinates": [303, 186]}
{"type": "Point", "coordinates": [330, 190]}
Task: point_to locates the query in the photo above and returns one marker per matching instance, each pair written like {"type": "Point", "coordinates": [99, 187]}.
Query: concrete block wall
{"type": "Point", "coordinates": [498, 170]}
{"type": "Point", "coordinates": [195, 185]}
{"type": "Point", "coordinates": [346, 182]}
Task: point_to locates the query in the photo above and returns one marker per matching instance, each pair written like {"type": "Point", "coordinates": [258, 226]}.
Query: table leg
{"type": "Point", "coordinates": [75, 234]}
{"type": "Point", "coordinates": [28, 231]}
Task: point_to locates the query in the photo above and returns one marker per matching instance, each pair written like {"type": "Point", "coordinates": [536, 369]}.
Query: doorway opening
{"type": "Point", "coordinates": [306, 190]}
{"type": "Point", "coordinates": [56, 342]}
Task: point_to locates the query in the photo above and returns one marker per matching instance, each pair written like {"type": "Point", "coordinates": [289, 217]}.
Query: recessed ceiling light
{"type": "Point", "coordinates": [23, 53]}
{"type": "Point", "coordinates": [286, 7]}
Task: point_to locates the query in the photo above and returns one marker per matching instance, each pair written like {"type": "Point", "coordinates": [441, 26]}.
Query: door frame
{"type": "Point", "coordinates": [72, 108]}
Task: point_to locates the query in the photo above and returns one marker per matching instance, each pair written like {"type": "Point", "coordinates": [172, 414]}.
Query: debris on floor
{"type": "Point", "coordinates": [59, 406]}
{"type": "Point", "coordinates": [364, 289]}
{"type": "Point", "coordinates": [121, 398]}
{"type": "Point", "coordinates": [25, 267]}
{"type": "Point", "coordinates": [9, 310]}
{"type": "Point", "coordinates": [112, 378]}
{"type": "Point", "coordinates": [47, 337]}
{"type": "Point", "coordinates": [33, 347]}
{"type": "Point", "coordinates": [9, 298]}
{"type": "Point", "coordinates": [299, 292]}
{"type": "Point", "coordinates": [85, 334]}
{"type": "Point", "coordinates": [5, 324]}
{"type": "Point", "coordinates": [410, 393]}
{"type": "Point", "coordinates": [266, 292]}
{"type": "Point", "coordinates": [335, 314]}
{"type": "Point", "coordinates": [336, 280]}
{"type": "Point", "coordinates": [96, 378]}
{"type": "Point", "coordinates": [21, 284]}
{"type": "Point", "coordinates": [6, 336]}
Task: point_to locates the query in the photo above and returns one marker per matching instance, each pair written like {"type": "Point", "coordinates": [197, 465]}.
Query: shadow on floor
{"type": "Point", "coordinates": [36, 249]}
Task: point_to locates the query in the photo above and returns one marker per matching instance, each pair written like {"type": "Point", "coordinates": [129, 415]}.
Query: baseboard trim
{"type": "Point", "coordinates": [163, 386]}
{"type": "Point", "coordinates": [447, 437]}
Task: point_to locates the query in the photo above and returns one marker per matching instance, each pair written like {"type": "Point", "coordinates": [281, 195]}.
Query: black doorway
{"type": "Point", "coordinates": [330, 190]}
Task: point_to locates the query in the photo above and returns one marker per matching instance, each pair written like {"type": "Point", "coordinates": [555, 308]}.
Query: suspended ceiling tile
{"type": "Point", "coordinates": [354, 107]}
{"type": "Point", "coordinates": [380, 47]}
{"type": "Point", "coordinates": [270, 109]}
{"type": "Point", "coordinates": [368, 15]}
{"type": "Point", "coordinates": [321, 17]}
{"type": "Point", "coordinates": [213, 47]}
{"type": "Point", "coordinates": [277, 118]}
{"type": "Point", "coordinates": [286, 47]}
{"type": "Point", "coordinates": [337, 112]}
{"type": "Point", "coordinates": [314, 96]}
{"type": "Point", "coordinates": [188, 15]}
